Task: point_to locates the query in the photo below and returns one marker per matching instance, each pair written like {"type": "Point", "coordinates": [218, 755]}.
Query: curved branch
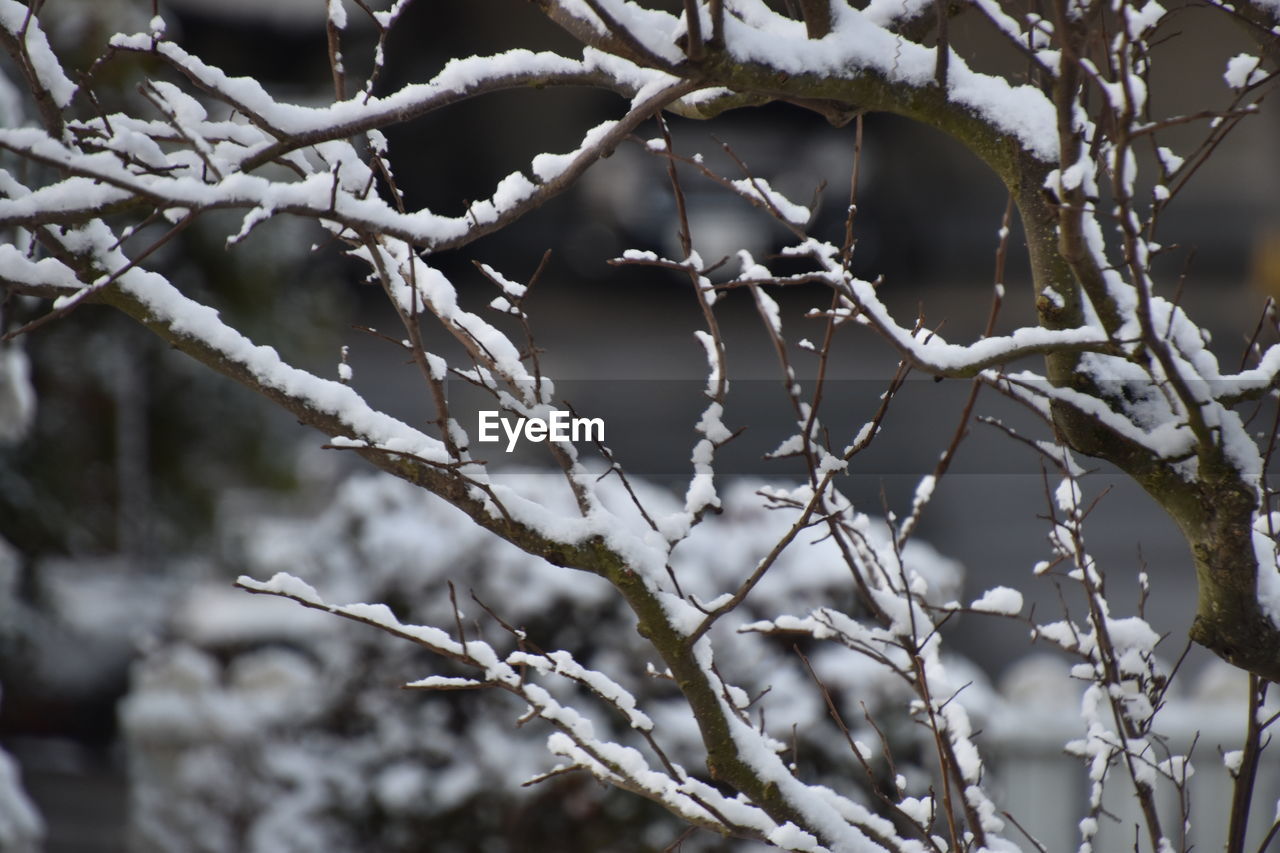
{"type": "Point", "coordinates": [514, 198]}
{"type": "Point", "coordinates": [297, 127]}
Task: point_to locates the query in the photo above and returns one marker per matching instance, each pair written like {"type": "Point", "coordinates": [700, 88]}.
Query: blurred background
{"type": "Point", "coordinates": [129, 669]}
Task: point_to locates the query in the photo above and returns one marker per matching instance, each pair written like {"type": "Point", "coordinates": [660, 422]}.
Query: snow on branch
{"type": "Point", "coordinates": [323, 196]}
{"type": "Point", "coordinates": [616, 764]}
{"type": "Point", "coordinates": [295, 126]}
{"type": "Point", "coordinates": [929, 351]}
{"type": "Point", "coordinates": [857, 45]}
{"type": "Point", "coordinates": [25, 40]}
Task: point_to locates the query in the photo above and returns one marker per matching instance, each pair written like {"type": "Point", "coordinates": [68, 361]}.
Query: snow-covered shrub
{"type": "Point", "coordinates": [21, 827]}
{"type": "Point", "coordinates": [259, 726]}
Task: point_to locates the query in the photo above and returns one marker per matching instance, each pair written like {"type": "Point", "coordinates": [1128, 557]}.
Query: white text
{"type": "Point", "coordinates": [559, 427]}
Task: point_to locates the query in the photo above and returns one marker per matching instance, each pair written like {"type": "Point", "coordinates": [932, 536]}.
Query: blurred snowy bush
{"type": "Point", "coordinates": [21, 827]}
{"type": "Point", "coordinates": [261, 727]}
